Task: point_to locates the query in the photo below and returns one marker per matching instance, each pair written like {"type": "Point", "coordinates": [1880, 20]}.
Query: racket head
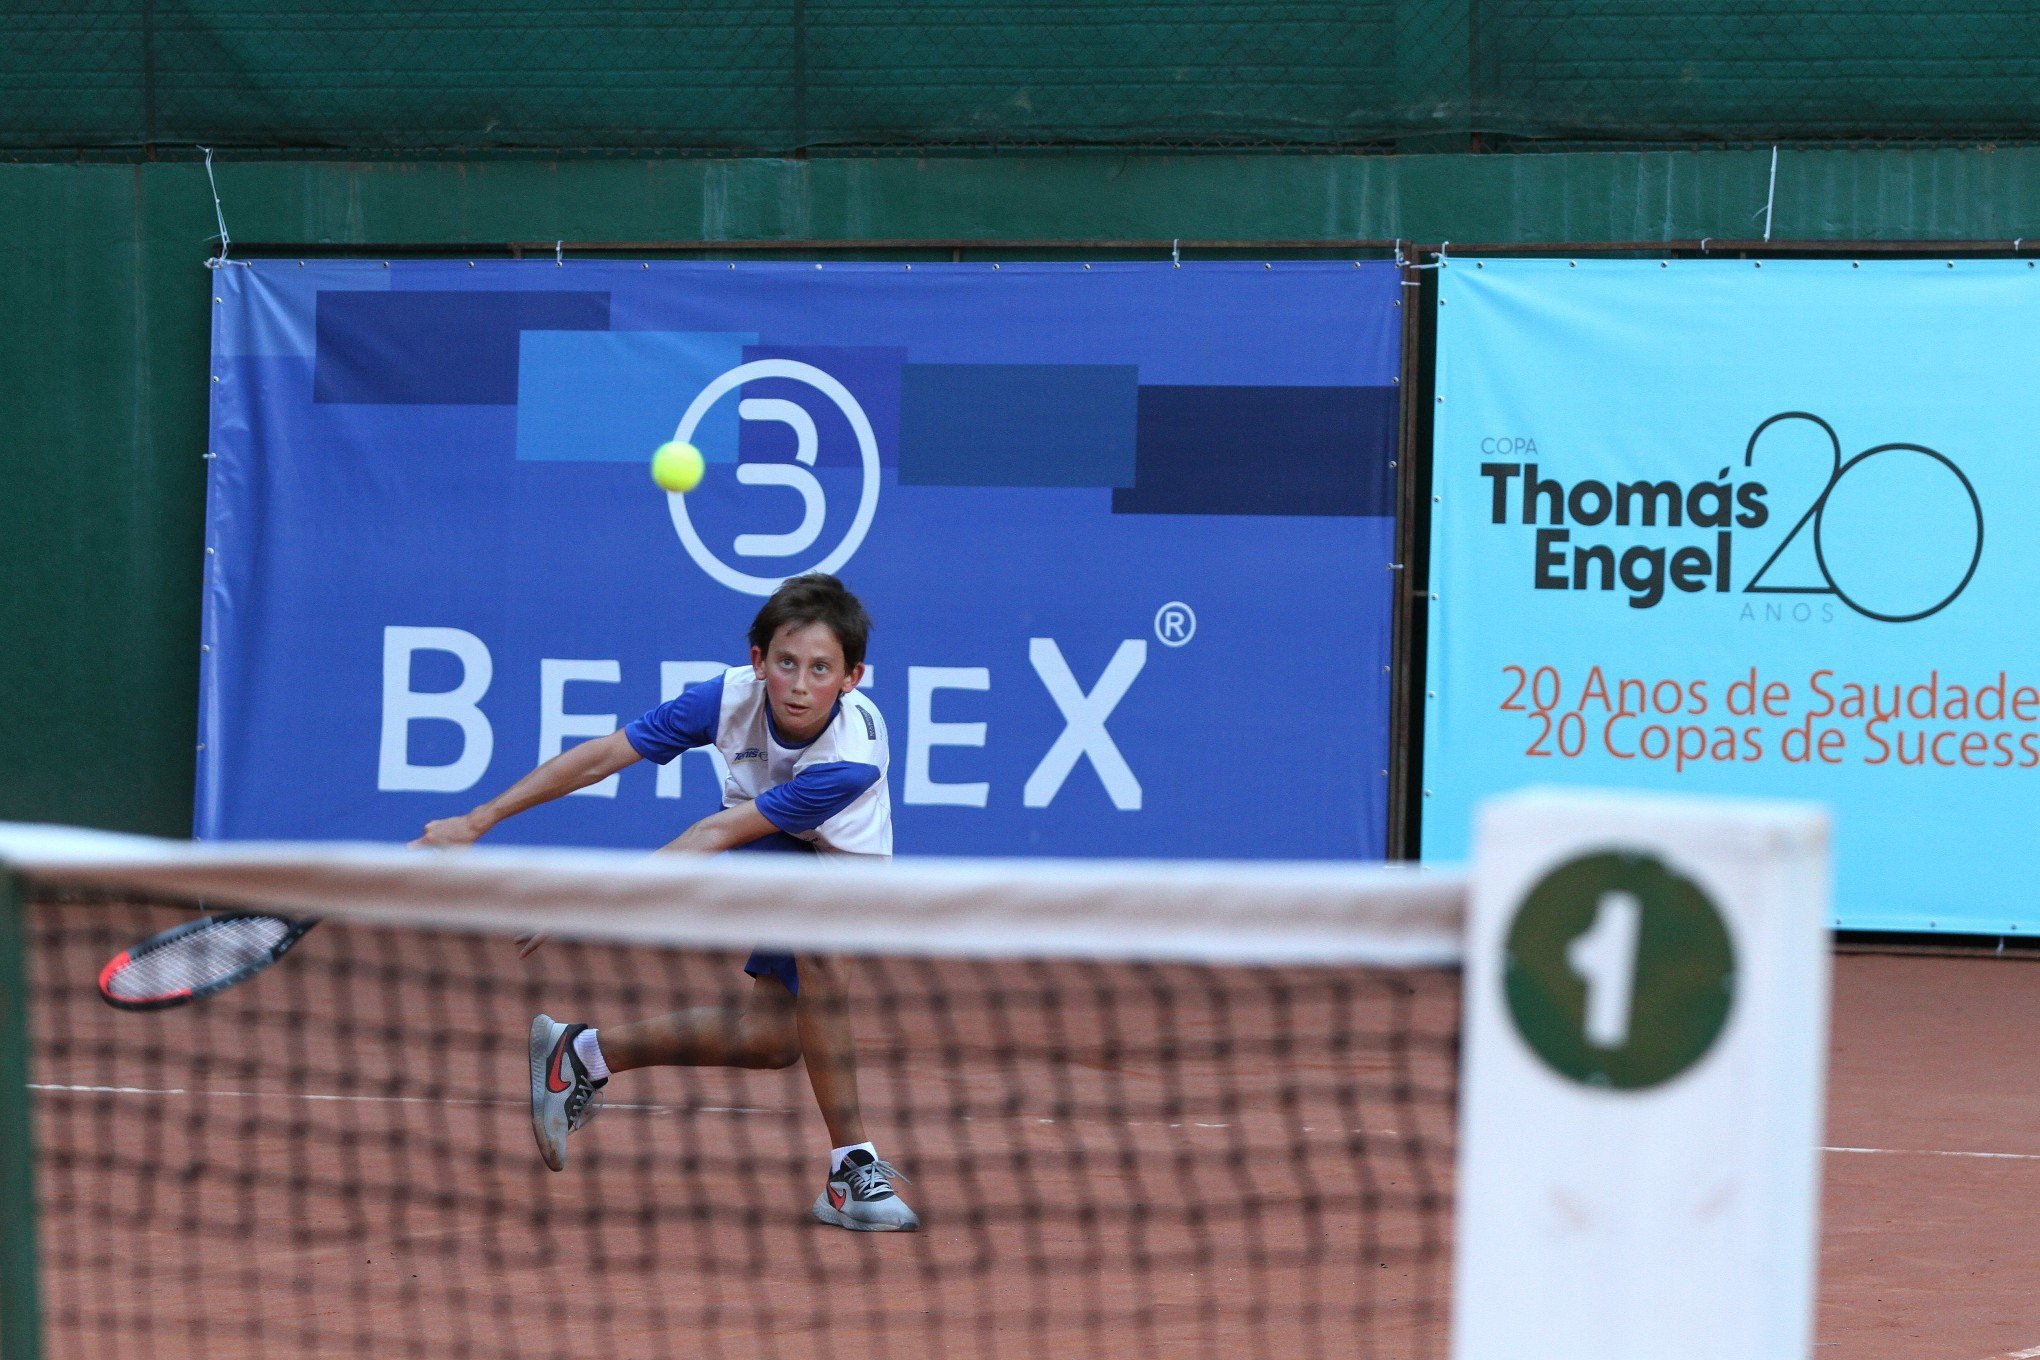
{"type": "Point", "coordinates": [197, 959]}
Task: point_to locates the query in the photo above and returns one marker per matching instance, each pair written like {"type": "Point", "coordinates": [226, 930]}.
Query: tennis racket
{"type": "Point", "coordinates": [197, 959]}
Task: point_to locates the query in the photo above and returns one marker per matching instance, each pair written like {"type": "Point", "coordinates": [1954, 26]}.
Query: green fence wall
{"type": "Point", "coordinates": [778, 76]}
{"type": "Point", "coordinates": [105, 298]}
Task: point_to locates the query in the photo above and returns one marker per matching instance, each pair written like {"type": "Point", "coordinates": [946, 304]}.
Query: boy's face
{"type": "Point", "coordinates": [804, 675]}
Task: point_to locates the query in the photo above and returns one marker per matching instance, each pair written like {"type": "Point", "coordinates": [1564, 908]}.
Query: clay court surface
{"type": "Point", "coordinates": [1930, 1241]}
{"type": "Point", "coordinates": [335, 1160]}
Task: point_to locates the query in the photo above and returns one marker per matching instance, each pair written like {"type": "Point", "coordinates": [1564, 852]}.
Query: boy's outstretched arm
{"type": "Point", "coordinates": [725, 830]}
{"type": "Point", "coordinates": [577, 767]}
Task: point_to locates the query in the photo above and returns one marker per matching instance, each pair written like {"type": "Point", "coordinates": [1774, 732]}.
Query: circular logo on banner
{"type": "Point", "coordinates": [1619, 971]}
{"type": "Point", "coordinates": [794, 476]}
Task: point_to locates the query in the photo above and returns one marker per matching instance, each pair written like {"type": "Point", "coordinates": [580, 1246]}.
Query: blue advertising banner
{"type": "Point", "coordinates": [1123, 529]}
{"type": "Point", "coordinates": [1758, 529]}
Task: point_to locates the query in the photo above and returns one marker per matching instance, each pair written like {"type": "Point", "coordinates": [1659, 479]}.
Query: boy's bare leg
{"type": "Point", "coordinates": [829, 1043]}
{"type": "Point", "coordinates": [772, 1030]}
{"type": "Point", "coordinates": [859, 1194]}
{"type": "Point", "coordinates": [761, 1033]}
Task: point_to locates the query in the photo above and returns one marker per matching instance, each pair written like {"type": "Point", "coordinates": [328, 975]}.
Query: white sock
{"type": "Point", "coordinates": [590, 1053]}
{"type": "Point", "coordinates": [836, 1155]}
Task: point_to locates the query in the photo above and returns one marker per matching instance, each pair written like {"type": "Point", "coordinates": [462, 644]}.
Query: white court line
{"type": "Point", "coordinates": [2033, 1354]}
{"type": "Point", "coordinates": [336, 1097]}
{"type": "Point", "coordinates": [57, 1088]}
{"type": "Point", "coordinates": [2030, 1353]}
{"type": "Point", "coordinates": [768, 1110]}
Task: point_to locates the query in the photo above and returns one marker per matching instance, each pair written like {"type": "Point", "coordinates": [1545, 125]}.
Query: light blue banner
{"type": "Point", "coordinates": [1758, 529]}
{"type": "Point", "coordinates": [1097, 513]}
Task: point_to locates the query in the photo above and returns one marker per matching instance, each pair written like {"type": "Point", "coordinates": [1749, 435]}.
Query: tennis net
{"type": "Point", "coordinates": [1147, 1110]}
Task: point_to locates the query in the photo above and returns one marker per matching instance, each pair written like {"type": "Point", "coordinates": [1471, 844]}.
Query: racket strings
{"type": "Point", "coordinates": [217, 949]}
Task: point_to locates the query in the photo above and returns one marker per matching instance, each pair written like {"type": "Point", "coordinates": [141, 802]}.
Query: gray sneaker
{"type": "Point", "coordinates": [563, 1096]}
{"type": "Point", "coordinates": [859, 1196]}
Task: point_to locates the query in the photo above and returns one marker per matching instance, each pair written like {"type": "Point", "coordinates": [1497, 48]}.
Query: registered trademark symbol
{"type": "Point", "coordinates": [1175, 623]}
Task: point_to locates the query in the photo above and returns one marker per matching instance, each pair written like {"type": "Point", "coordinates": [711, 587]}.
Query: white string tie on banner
{"type": "Point", "coordinates": [1771, 196]}
{"type": "Point", "coordinates": [1403, 262]}
{"type": "Point", "coordinates": [219, 215]}
{"type": "Point", "coordinates": [1438, 263]}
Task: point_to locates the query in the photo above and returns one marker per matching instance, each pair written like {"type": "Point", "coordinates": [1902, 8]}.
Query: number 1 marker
{"type": "Point", "coordinates": [1605, 959]}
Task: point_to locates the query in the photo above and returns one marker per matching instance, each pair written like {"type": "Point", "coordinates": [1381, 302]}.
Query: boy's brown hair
{"type": "Point", "coordinates": [815, 598]}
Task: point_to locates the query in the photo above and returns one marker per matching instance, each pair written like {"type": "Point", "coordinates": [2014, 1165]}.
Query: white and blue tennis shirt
{"type": "Point", "coordinates": [830, 792]}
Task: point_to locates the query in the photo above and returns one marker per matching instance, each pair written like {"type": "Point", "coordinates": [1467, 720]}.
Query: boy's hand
{"type": "Point", "coordinates": [527, 945]}
{"type": "Point", "coordinates": [448, 833]}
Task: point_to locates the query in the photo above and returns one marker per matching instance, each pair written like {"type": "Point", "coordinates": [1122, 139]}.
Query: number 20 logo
{"type": "Point", "coordinates": [1897, 530]}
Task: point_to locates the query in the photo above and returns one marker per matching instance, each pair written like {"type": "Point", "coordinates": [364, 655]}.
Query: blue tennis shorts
{"type": "Point", "coordinates": [762, 964]}
{"type": "Point", "coordinates": [781, 966]}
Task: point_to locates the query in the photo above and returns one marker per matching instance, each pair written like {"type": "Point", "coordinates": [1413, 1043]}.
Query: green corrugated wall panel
{"type": "Point", "coordinates": [106, 335]}
{"type": "Point", "coordinates": [105, 347]}
{"type": "Point", "coordinates": [1887, 194]}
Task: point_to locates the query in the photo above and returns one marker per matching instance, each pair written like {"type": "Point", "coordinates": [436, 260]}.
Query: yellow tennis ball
{"type": "Point", "coordinates": [677, 466]}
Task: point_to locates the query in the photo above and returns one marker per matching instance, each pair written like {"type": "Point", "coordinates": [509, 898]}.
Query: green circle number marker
{"type": "Point", "coordinates": [1619, 971]}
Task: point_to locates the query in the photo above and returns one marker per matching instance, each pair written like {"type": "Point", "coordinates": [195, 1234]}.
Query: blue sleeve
{"type": "Point", "coordinates": [679, 724]}
{"type": "Point", "coordinates": [816, 794]}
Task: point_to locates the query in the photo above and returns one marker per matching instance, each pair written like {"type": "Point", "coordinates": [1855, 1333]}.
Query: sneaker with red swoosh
{"type": "Point", "coordinates": [563, 1096]}
{"type": "Point", "coordinates": [860, 1197]}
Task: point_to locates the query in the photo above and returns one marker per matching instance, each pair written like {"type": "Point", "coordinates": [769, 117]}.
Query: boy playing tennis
{"type": "Point", "coordinates": [807, 758]}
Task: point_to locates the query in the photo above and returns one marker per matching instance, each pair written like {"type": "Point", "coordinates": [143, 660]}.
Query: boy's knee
{"type": "Point", "coordinates": [771, 1046]}
{"type": "Point", "coordinates": [781, 1053]}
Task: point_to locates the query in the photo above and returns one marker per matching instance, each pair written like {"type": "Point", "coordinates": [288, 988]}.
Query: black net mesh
{"type": "Point", "coordinates": [1109, 1159]}
{"type": "Point", "coordinates": [855, 75]}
